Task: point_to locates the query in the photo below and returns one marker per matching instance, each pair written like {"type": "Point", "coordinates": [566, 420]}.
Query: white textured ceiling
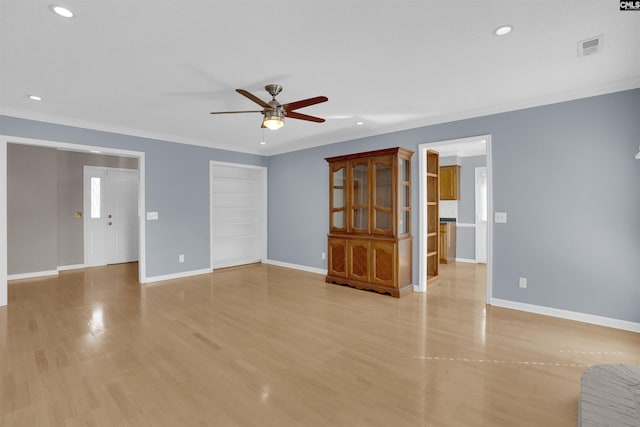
{"type": "Point", "coordinates": [157, 68]}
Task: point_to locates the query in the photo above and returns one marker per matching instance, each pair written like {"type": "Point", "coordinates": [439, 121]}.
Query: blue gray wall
{"type": "Point", "coordinates": [177, 187]}
{"type": "Point", "coordinates": [564, 173]}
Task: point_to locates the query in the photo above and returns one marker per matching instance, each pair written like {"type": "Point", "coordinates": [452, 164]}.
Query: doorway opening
{"type": "Point", "coordinates": [471, 152]}
{"type": "Point", "coordinates": [5, 140]}
{"type": "Point", "coordinates": [238, 210]}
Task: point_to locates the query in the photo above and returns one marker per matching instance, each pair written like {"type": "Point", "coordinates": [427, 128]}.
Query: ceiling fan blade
{"type": "Point", "coordinates": [235, 112]}
{"type": "Point", "coordinates": [300, 116]}
{"type": "Point", "coordinates": [304, 103]}
{"type": "Point", "coordinates": [254, 98]}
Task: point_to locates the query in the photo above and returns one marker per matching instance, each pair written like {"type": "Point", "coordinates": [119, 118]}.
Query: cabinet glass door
{"type": "Point", "coordinates": [360, 196]}
{"type": "Point", "coordinates": [383, 196]}
{"type": "Point", "coordinates": [338, 197]}
{"type": "Point", "coordinates": [404, 199]}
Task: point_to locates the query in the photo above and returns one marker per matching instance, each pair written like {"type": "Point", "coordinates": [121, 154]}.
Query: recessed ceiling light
{"type": "Point", "coordinates": [503, 30]}
{"type": "Point", "coordinates": [263, 143]}
{"type": "Point", "coordinates": [34, 97]}
{"type": "Point", "coordinates": [359, 123]}
{"type": "Point", "coordinates": [62, 11]}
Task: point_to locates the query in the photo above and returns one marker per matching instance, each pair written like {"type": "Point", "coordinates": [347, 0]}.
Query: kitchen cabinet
{"type": "Point", "coordinates": [447, 242]}
{"type": "Point", "coordinates": [369, 240]}
{"type": "Point", "coordinates": [449, 182]}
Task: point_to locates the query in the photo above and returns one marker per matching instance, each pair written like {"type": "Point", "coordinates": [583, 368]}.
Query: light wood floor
{"type": "Point", "coordinates": [268, 346]}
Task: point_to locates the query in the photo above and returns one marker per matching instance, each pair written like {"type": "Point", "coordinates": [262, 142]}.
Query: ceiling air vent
{"type": "Point", "coordinates": [590, 46]}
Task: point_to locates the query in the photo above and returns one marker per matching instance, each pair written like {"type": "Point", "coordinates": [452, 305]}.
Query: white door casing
{"type": "Point", "coordinates": [481, 214]}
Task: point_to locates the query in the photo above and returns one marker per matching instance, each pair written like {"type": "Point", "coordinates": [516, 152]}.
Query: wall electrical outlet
{"type": "Point", "coordinates": [181, 258]}
{"type": "Point", "coordinates": [324, 255]}
{"type": "Point", "coordinates": [152, 216]}
{"type": "Point", "coordinates": [523, 282]}
{"type": "Point", "coordinates": [501, 217]}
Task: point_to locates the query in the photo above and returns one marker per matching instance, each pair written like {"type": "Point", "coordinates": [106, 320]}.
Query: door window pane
{"type": "Point", "coordinates": [95, 197]}
{"type": "Point", "coordinates": [338, 219]}
{"type": "Point", "coordinates": [403, 173]}
{"type": "Point", "coordinates": [405, 222]}
{"type": "Point", "coordinates": [360, 218]}
{"type": "Point", "coordinates": [404, 196]}
{"type": "Point", "coordinates": [383, 220]}
{"type": "Point", "coordinates": [383, 185]}
{"type": "Point", "coordinates": [338, 188]}
{"type": "Point", "coordinates": [360, 177]}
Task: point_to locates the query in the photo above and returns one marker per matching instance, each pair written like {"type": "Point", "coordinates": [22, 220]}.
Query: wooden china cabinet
{"type": "Point", "coordinates": [369, 237]}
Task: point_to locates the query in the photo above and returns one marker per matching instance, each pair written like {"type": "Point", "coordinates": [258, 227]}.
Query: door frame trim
{"type": "Point", "coordinates": [476, 172]}
{"type": "Point", "coordinates": [422, 211]}
{"type": "Point", "coordinates": [8, 139]}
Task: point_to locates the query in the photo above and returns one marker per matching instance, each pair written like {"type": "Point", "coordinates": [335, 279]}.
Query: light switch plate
{"type": "Point", "coordinates": [152, 216]}
{"type": "Point", "coordinates": [501, 217]}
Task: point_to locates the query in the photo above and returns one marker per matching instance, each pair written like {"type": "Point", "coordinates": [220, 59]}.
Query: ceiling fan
{"type": "Point", "coordinates": [274, 112]}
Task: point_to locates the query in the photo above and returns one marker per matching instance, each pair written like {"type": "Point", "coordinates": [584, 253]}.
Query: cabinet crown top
{"type": "Point", "coordinates": [383, 152]}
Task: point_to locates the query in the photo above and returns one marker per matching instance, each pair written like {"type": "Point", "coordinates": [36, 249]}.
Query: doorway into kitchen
{"type": "Point", "coordinates": [458, 211]}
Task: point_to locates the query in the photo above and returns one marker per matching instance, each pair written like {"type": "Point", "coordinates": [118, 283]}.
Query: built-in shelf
{"type": "Point", "coordinates": [226, 178]}
{"type": "Point", "coordinates": [231, 193]}
{"type": "Point", "coordinates": [433, 214]}
{"type": "Point", "coordinates": [238, 208]}
{"type": "Point", "coordinates": [233, 237]}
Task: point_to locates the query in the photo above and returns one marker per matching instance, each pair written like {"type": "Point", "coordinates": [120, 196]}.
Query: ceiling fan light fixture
{"type": "Point", "coordinates": [503, 30]}
{"type": "Point", "coordinates": [61, 11]}
{"type": "Point", "coordinates": [273, 119]}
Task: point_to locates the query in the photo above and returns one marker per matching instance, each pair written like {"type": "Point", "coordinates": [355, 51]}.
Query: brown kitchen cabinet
{"type": "Point", "coordinates": [449, 182]}
{"type": "Point", "coordinates": [447, 242]}
{"type": "Point", "coordinates": [369, 241]}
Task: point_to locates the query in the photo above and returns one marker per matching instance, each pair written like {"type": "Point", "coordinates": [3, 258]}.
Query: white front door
{"type": "Point", "coordinates": [121, 208]}
{"type": "Point", "coordinates": [481, 215]}
{"type": "Point", "coordinates": [110, 216]}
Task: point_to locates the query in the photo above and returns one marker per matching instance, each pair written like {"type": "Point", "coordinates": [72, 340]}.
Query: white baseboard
{"type": "Point", "coordinates": [177, 275]}
{"type": "Point", "coordinates": [32, 275]}
{"type": "Point", "coordinates": [296, 266]}
{"type": "Point", "coordinates": [466, 260]}
{"type": "Point", "coordinates": [71, 267]}
{"type": "Point", "coordinates": [566, 314]}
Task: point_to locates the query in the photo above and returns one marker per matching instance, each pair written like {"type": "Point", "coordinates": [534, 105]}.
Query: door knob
{"type": "Point", "coordinates": [109, 216]}
{"type": "Point", "coordinates": [109, 223]}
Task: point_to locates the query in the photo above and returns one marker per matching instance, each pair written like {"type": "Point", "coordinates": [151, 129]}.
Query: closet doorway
{"type": "Point", "coordinates": [238, 214]}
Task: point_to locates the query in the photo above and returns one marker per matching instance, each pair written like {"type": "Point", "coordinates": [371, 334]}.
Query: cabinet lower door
{"type": "Point", "coordinates": [383, 256]}
{"type": "Point", "coordinates": [337, 257]}
{"type": "Point", "coordinates": [358, 260]}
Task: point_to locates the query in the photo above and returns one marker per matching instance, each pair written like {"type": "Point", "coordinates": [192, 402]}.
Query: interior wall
{"type": "Point", "coordinates": [176, 184]}
{"type": "Point", "coordinates": [70, 199]}
{"type": "Point", "coordinates": [32, 209]}
{"type": "Point", "coordinates": [565, 174]}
